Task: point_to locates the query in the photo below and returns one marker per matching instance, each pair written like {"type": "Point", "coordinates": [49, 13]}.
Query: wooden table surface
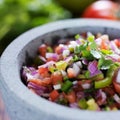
{"type": "Point", "coordinates": [3, 113]}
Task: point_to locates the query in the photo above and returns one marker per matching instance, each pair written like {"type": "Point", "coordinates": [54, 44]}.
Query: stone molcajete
{"type": "Point", "coordinates": [20, 102]}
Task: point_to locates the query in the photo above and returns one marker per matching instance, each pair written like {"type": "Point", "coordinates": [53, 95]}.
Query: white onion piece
{"type": "Point", "coordinates": [98, 41]}
{"type": "Point", "coordinates": [76, 69]}
{"type": "Point", "coordinates": [86, 85]}
{"type": "Point", "coordinates": [52, 55]}
{"type": "Point", "coordinates": [29, 76]}
{"type": "Point", "coordinates": [118, 77]}
{"type": "Point", "coordinates": [115, 57]}
{"type": "Point", "coordinates": [116, 98]}
{"type": "Point", "coordinates": [63, 73]}
{"type": "Point", "coordinates": [75, 82]}
{"type": "Point", "coordinates": [73, 44]}
{"type": "Point", "coordinates": [47, 65]}
{"type": "Point", "coordinates": [57, 87]}
{"type": "Point", "coordinates": [35, 76]}
{"type": "Point", "coordinates": [66, 53]}
{"type": "Point", "coordinates": [103, 96]}
{"type": "Point", "coordinates": [79, 64]}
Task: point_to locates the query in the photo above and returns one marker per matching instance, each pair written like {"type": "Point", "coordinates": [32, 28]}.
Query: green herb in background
{"type": "Point", "coordinates": [17, 16]}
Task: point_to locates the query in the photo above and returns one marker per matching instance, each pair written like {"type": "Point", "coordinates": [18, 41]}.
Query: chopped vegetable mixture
{"type": "Point", "coordinates": [83, 73]}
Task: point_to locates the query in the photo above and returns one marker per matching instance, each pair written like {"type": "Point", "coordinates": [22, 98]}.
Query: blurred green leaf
{"type": "Point", "coordinates": [17, 16]}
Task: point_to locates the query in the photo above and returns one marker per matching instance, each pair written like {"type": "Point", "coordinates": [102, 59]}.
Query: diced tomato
{"type": "Point", "coordinates": [54, 95]}
{"type": "Point", "coordinates": [58, 49]}
{"type": "Point", "coordinates": [117, 42]}
{"type": "Point", "coordinates": [84, 81]}
{"type": "Point", "coordinates": [71, 97]}
{"type": "Point", "coordinates": [56, 77]}
{"type": "Point", "coordinates": [109, 91]}
{"type": "Point", "coordinates": [117, 87]}
{"type": "Point", "coordinates": [43, 72]}
{"type": "Point", "coordinates": [104, 45]}
{"type": "Point", "coordinates": [44, 82]}
{"type": "Point", "coordinates": [71, 73]}
{"type": "Point", "coordinates": [42, 50]}
{"type": "Point", "coordinates": [52, 59]}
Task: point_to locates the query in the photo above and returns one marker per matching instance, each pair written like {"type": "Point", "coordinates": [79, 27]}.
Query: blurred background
{"type": "Point", "coordinates": [18, 16]}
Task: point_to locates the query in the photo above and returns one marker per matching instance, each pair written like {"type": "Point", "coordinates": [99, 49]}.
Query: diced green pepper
{"type": "Point", "coordinates": [65, 78]}
{"type": "Point", "coordinates": [103, 83]}
{"type": "Point", "coordinates": [75, 58]}
{"type": "Point", "coordinates": [82, 104]}
{"type": "Point", "coordinates": [111, 70]}
{"type": "Point", "coordinates": [66, 86]}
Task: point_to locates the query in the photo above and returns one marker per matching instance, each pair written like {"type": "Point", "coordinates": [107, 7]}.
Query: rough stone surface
{"type": "Point", "coordinates": [20, 102]}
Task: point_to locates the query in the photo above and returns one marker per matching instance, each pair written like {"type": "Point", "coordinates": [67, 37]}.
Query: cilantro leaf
{"type": "Point", "coordinates": [93, 45]}
{"type": "Point", "coordinates": [104, 64]}
{"type": "Point", "coordinates": [87, 55]}
{"type": "Point", "coordinates": [96, 54]}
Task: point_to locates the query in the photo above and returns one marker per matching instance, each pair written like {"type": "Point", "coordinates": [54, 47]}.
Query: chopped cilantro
{"type": "Point", "coordinates": [104, 64]}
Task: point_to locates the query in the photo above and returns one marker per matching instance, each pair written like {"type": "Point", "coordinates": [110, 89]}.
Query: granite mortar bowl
{"type": "Point", "coordinates": [20, 102]}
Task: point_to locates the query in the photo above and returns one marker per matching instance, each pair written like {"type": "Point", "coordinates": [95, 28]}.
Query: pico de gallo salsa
{"type": "Point", "coordinates": [83, 73]}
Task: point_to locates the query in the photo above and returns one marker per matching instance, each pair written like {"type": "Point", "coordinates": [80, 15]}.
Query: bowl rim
{"type": "Point", "coordinates": [10, 56]}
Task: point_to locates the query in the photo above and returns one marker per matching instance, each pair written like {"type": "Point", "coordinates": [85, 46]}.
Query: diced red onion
{"type": "Point", "coordinates": [116, 98]}
{"type": "Point", "coordinates": [47, 65]}
{"type": "Point", "coordinates": [80, 95]}
{"type": "Point", "coordinates": [101, 97]}
{"type": "Point", "coordinates": [68, 59]}
{"type": "Point", "coordinates": [79, 41]}
{"type": "Point", "coordinates": [92, 67]}
{"type": "Point", "coordinates": [52, 55]}
{"type": "Point", "coordinates": [73, 105]}
{"type": "Point", "coordinates": [36, 87]}
{"type": "Point", "coordinates": [85, 61]}
{"type": "Point", "coordinates": [29, 73]}
{"type": "Point", "coordinates": [118, 77]}
{"type": "Point", "coordinates": [114, 57]}
{"type": "Point", "coordinates": [114, 47]}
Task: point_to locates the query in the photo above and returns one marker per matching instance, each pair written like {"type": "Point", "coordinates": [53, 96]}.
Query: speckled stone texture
{"type": "Point", "coordinates": [21, 103]}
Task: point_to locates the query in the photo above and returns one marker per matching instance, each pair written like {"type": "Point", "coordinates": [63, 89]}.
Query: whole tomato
{"type": "Point", "coordinates": [103, 9]}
